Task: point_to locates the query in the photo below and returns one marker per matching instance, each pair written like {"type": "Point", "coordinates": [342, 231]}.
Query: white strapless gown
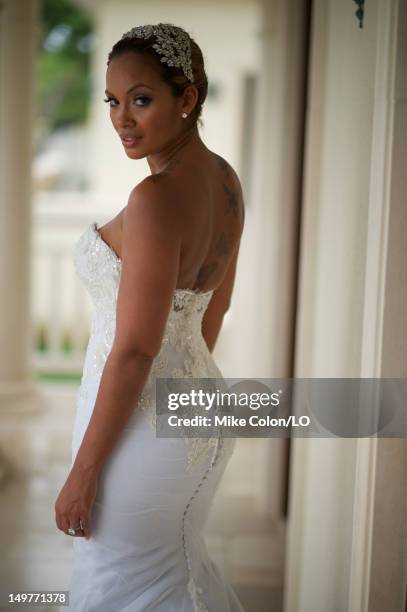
{"type": "Point", "coordinates": [147, 552]}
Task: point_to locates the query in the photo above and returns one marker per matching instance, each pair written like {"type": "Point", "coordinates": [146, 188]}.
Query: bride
{"type": "Point", "coordinates": [160, 275]}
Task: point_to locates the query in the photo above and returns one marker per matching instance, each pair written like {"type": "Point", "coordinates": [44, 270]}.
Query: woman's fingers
{"type": "Point", "coordinates": [64, 524]}
{"type": "Point", "coordinates": [74, 504]}
{"type": "Point", "coordinates": [58, 519]}
{"type": "Point", "coordinates": [85, 527]}
{"type": "Point", "coordinates": [78, 531]}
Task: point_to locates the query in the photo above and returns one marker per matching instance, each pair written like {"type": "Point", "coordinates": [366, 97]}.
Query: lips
{"type": "Point", "coordinates": [129, 140]}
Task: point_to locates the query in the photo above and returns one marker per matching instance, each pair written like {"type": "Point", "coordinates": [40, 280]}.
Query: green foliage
{"type": "Point", "coordinates": [66, 343]}
{"type": "Point", "coordinates": [63, 377]}
{"type": "Point", "coordinates": [63, 67]}
{"type": "Point", "coordinates": [41, 340]}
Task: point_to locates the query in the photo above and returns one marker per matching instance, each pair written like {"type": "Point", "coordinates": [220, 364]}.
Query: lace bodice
{"type": "Point", "coordinates": [183, 352]}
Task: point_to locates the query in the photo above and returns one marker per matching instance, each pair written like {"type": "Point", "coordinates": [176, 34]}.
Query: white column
{"type": "Point", "coordinates": [346, 538]}
{"type": "Point", "coordinates": [379, 555]}
{"type": "Point", "coordinates": [274, 218]}
{"type": "Point", "coordinates": [18, 393]}
{"type": "Point", "coordinates": [277, 181]}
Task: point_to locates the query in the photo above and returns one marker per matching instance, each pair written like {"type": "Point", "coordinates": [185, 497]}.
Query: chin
{"type": "Point", "coordinates": [133, 154]}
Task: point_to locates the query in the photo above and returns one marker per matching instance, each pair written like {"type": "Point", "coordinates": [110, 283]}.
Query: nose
{"type": "Point", "coordinates": [123, 116]}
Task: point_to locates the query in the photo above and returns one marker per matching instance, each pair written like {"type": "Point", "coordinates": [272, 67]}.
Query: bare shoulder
{"type": "Point", "coordinates": [152, 191]}
{"type": "Point", "coordinates": [232, 189]}
{"type": "Point", "coordinates": [151, 202]}
{"type": "Point", "coordinates": [227, 169]}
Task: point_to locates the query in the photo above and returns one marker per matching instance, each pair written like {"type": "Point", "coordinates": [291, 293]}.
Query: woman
{"type": "Point", "coordinates": [160, 275]}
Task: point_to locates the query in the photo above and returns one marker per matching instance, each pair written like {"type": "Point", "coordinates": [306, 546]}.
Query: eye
{"type": "Point", "coordinates": [108, 99]}
{"type": "Point", "coordinates": [146, 98]}
{"type": "Point", "coordinates": [142, 98]}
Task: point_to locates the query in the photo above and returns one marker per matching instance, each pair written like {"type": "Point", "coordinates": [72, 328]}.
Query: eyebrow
{"type": "Point", "coordinates": [131, 88]}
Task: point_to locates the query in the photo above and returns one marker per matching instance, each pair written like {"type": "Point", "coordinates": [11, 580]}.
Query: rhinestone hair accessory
{"type": "Point", "coordinates": [173, 43]}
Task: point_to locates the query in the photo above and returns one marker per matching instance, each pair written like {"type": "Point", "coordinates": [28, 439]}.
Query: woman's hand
{"type": "Point", "coordinates": [74, 502]}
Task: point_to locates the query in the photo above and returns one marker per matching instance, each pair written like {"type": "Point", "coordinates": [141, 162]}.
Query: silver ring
{"type": "Point", "coordinates": [72, 531]}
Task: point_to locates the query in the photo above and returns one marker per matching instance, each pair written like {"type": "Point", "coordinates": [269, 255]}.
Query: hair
{"type": "Point", "coordinates": [171, 75]}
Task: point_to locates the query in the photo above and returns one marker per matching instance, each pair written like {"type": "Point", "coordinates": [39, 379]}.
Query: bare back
{"type": "Point", "coordinates": [212, 209]}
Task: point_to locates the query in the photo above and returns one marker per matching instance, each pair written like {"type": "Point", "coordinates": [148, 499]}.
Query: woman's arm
{"type": "Point", "coordinates": [151, 246]}
{"type": "Point", "coordinates": [151, 243]}
{"type": "Point", "coordinates": [121, 384]}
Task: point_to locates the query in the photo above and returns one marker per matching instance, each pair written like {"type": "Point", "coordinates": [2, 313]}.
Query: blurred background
{"type": "Point", "coordinates": [306, 102]}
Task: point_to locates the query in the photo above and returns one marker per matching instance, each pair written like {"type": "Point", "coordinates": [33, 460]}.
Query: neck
{"type": "Point", "coordinates": [188, 141]}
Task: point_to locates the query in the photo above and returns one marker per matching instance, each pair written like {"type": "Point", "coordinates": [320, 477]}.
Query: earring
{"type": "Point", "coordinates": [184, 115]}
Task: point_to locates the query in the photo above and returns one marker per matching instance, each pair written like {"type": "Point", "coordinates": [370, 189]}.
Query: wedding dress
{"type": "Point", "coordinates": [147, 551]}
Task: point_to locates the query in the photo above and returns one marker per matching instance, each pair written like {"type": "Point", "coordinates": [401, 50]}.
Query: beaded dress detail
{"type": "Point", "coordinates": [147, 550]}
